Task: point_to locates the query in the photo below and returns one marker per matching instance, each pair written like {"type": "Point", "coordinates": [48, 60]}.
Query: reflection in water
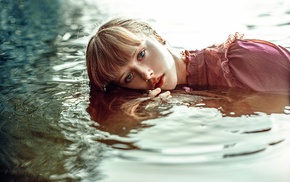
{"type": "Point", "coordinates": [51, 131]}
{"type": "Point", "coordinates": [242, 131]}
{"type": "Point", "coordinates": [226, 104]}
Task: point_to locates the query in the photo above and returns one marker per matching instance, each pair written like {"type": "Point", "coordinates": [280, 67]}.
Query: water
{"type": "Point", "coordinates": [48, 128]}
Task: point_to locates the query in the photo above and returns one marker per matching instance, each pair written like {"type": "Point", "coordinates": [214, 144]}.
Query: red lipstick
{"type": "Point", "coordinates": [160, 82]}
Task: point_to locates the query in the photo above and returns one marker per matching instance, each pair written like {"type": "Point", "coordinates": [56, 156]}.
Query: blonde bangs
{"type": "Point", "coordinates": [108, 51]}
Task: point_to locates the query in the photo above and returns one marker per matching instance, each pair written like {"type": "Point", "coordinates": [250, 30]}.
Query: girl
{"type": "Point", "coordinates": [129, 53]}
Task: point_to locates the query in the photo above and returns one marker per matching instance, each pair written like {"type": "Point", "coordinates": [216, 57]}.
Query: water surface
{"type": "Point", "coordinates": [51, 131]}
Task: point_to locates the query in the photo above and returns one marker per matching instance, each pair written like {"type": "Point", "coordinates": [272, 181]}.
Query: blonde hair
{"type": "Point", "coordinates": [112, 46]}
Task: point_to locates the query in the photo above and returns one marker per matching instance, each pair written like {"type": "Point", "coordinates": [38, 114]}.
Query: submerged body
{"type": "Point", "coordinates": [240, 63]}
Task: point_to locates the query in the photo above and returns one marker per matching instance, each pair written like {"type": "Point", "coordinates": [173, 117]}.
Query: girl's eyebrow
{"type": "Point", "coordinates": [135, 51]}
{"type": "Point", "coordinates": [119, 80]}
{"type": "Point", "coordinates": [138, 48]}
{"type": "Point", "coordinates": [124, 71]}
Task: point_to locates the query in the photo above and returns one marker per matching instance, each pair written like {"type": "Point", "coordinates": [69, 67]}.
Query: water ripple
{"type": "Point", "coordinates": [205, 139]}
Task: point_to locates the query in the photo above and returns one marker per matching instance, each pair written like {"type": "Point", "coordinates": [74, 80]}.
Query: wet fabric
{"type": "Point", "coordinates": [240, 63]}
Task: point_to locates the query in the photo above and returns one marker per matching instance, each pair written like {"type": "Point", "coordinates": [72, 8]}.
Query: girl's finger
{"type": "Point", "coordinates": [154, 93]}
{"type": "Point", "coordinates": [165, 95]}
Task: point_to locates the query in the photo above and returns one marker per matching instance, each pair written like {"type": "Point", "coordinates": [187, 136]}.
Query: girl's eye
{"type": "Point", "coordinates": [141, 54]}
{"type": "Point", "coordinates": [128, 77]}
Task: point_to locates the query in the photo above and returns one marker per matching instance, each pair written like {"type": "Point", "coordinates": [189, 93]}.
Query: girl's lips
{"type": "Point", "coordinates": [160, 82]}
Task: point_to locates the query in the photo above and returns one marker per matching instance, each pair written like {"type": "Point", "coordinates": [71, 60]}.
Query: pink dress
{"type": "Point", "coordinates": [240, 63]}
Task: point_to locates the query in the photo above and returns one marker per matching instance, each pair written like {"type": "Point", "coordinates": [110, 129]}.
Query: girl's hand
{"type": "Point", "coordinates": [156, 93]}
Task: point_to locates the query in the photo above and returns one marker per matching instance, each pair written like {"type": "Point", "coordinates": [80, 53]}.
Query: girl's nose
{"type": "Point", "coordinates": [145, 72]}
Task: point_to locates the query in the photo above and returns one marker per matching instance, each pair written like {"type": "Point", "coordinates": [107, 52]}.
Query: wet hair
{"type": "Point", "coordinates": [112, 46]}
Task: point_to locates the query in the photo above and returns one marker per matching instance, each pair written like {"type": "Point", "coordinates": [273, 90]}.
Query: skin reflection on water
{"type": "Point", "coordinates": [196, 131]}
{"type": "Point", "coordinates": [238, 105]}
{"type": "Point", "coordinates": [105, 107]}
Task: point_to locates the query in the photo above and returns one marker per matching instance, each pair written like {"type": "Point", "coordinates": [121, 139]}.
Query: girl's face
{"type": "Point", "coordinates": [151, 66]}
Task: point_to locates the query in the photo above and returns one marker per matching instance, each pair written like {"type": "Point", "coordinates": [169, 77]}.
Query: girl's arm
{"type": "Point", "coordinates": [260, 65]}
